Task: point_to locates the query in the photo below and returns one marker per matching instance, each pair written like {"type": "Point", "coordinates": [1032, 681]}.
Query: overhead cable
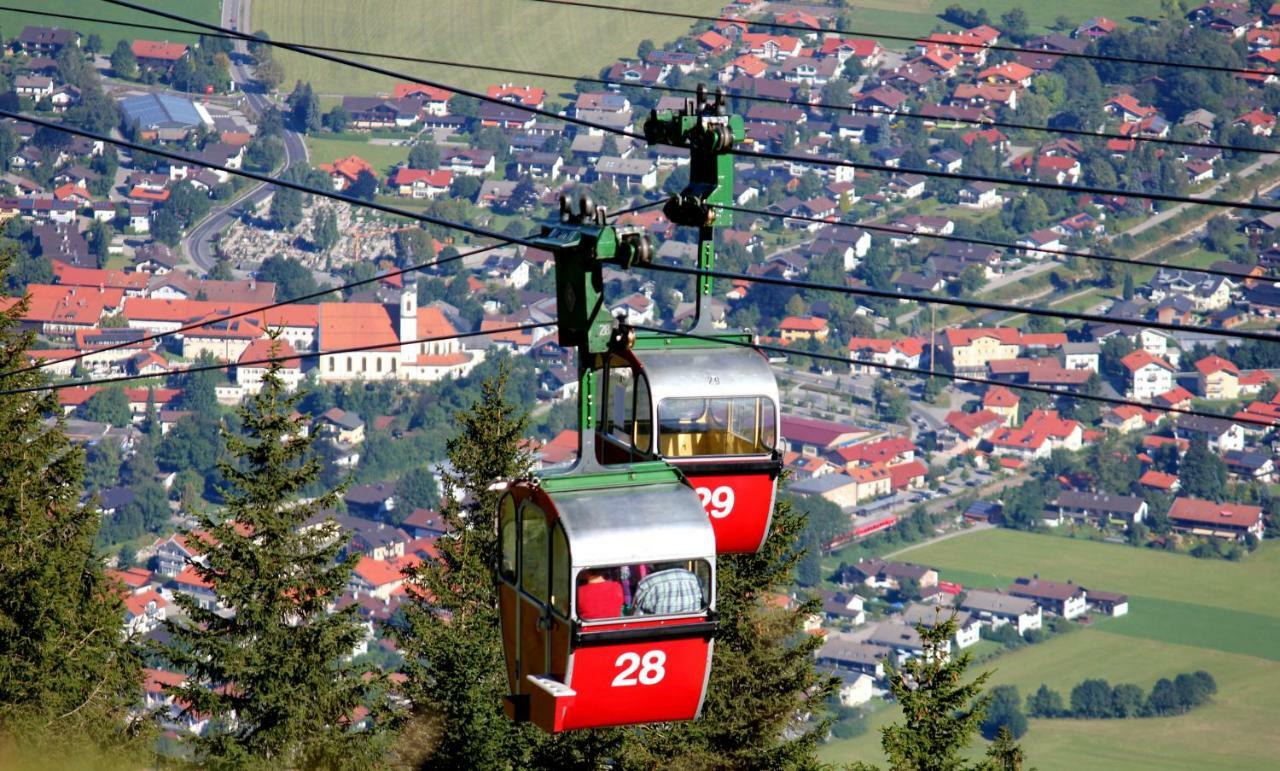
{"type": "Point", "coordinates": [909, 233]}
{"type": "Point", "coordinates": [1201, 67]}
{"type": "Point", "coordinates": [299, 49]}
{"type": "Point", "coordinates": [1113, 400]}
{"type": "Point", "coordinates": [924, 299]}
{"type": "Point", "coordinates": [366, 348]}
{"type": "Point", "coordinates": [763, 99]}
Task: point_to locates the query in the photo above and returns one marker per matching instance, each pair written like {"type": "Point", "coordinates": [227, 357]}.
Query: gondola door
{"type": "Point", "coordinates": [534, 610]}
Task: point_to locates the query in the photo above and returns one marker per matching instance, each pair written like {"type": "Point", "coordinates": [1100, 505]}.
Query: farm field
{"type": "Point", "coordinates": [530, 36]}
{"type": "Point", "coordinates": [12, 22]}
{"type": "Point", "coordinates": [915, 17]}
{"type": "Point", "coordinates": [1185, 614]}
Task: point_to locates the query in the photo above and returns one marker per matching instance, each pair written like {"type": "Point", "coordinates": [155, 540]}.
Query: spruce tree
{"type": "Point", "coordinates": [67, 678]}
{"type": "Point", "coordinates": [451, 638]}
{"type": "Point", "coordinates": [271, 671]}
{"type": "Point", "coordinates": [941, 712]}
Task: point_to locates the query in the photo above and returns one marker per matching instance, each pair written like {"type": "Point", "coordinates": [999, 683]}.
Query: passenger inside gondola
{"type": "Point", "coordinates": [669, 590]}
{"type": "Point", "coordinates": [599, 595]}
{"type": "Point", "coordinates": [642, 590]}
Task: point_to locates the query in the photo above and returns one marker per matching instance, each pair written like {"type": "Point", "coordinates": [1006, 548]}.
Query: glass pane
{"type": "Point", "coordinates": [507, 532]}
{"type": "Point", "coordinates": [621, 387]}
{"type": "Point", "coordinates": [695, 427]}
{"type": "Point", "coordinates": [533, 556]}
{"type": "Point", "coordinates": [559, 570]}
{"type": "Point", "coordinates": [643, 430]}
{"type": "Point", "coordinates": [644, 589]}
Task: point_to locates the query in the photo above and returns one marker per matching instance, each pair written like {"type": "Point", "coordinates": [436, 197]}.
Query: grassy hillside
{"type": "Point", "coordinates": [11, 23]}
{"type": "Point", "coordinates": [1185, 614]}
{"type": "Point", "coordinates": [914, 17]}
{"type": "Point", "coordinates": [506, 33]}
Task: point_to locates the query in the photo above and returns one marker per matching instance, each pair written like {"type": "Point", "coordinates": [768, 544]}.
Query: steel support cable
{"type": "Point", "coordinates": [43, 363]}
{"type": "Point", "coordinates": [887, 294]}
{"type": "Point", "coordinates": [915, 39]}
{"type": "Point", "coordinates": [1031, 183]}
{"type": "Point", "coordinates": [976, 122]}
{"type": "Point", "coordinates": [892, 231]}
{"type": "Point", "coordinates": [59, 386]}
{"type": "Point", "coordinates": [316, 53]}
{"type": "Point", "coordinates": [1038, 184]}
{"type": "Point", "coordinates": [1113, 400]}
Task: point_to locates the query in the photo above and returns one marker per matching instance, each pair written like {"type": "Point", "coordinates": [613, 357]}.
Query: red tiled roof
{"type": "Point", "coordinates": [958, 338]}
{"type": "Point", "coordinates": [1213, 364]}
{"type": "Point", "coordinates": [803, 324]}
{"type": "Point", "coordinates": [266, 348]}
{"type": "Point", "coordinates": [347, 325]}
{"type": "Point", "coordinates": [1158, 479]}
{"type": "Point", "coordinates": [970, 424]}
{"type": "Point", "coordinates": [903, 474]}
{"type": "Point", "coordinates": [1140, 358]}
{"type": "Point", "coordinates": [999, 396]}
{"type": "Point", "coordinates": [1204, 512]}
{"type": "Point", "coordinates": [378, 572]}
{"type": "Point", "coordinates": [433, 94]}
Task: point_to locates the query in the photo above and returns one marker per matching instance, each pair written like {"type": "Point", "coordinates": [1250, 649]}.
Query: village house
{"type": "Point", "coordinates": [1100, 508]}
{"type": "Point", "coordinates": [1231, 521]}
{"type": "Point", "coordinates": [1067, 600]}
{"type": "Point", "coordinates": [998, 609]}
{"type": "Point", "coordinates": [1149, 376]}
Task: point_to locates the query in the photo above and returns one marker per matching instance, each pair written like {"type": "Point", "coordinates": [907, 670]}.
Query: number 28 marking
{"type": "Point", "coordinates": [717, 502]}
{"type": "Point", "coordinates": [652, 668]}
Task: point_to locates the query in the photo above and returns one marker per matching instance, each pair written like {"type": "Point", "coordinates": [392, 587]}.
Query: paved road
{"type": "Point", "coordinates": [945, 536]}
{"type": "Point", "coordinates": [1247, 171]}
{"type": "Point", "coordinates": [199, 241]}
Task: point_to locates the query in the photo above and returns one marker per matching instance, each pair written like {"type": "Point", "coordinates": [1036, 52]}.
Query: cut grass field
{"type": "Point", "coordinates": [916, 17]}
{"type": "Point", "coordinates": [383, 157]}
{"type": "Point", "coordinates": [12, 22]}
{"type": "Point", "coordinates": [504, 33]}
{"type": "Point", "coordinates": [1185, 614]}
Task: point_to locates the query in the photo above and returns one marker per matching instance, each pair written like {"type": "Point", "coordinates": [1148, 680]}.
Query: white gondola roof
{"type": "Point", "coordinates": [707, 373]}
{"type": "Point", "coordinates": [630, 525]}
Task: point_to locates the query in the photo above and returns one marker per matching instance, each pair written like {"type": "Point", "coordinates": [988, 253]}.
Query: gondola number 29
{"type": "Point", "coordinates": [637, 670]}
{"type": "Point", "coordinates": [717, 502]}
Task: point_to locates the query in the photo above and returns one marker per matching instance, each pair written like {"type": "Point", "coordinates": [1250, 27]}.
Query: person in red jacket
{"type": "Point", "coordinates": [599, 596]}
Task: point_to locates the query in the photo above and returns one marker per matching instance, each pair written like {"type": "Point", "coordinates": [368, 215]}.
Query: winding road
{"type": "Point", "coordinates": [199, 243]}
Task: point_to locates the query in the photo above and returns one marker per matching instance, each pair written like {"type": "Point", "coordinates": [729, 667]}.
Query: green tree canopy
{"type": "Point", "coordinates": [273, 676]}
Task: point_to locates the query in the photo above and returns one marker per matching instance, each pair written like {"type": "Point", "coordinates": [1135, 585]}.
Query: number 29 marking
{"type": "Point", "coordinates": [652, 668]}
{"type": "Point", "coordinates": [717, 502]}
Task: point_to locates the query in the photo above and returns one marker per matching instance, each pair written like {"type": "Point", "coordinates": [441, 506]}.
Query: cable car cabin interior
{"type": "Point", "coordinates": [607, 603]}
{"type": "Point", "coordinates": [716, 414]}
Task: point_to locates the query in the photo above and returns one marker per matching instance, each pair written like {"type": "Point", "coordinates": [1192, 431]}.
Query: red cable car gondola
{"type": "Point", "coordinates": [715, 406]}
{"type": "Point", "coordinates": [607, 599]}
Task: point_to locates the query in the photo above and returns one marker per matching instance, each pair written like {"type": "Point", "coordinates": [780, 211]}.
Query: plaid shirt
{"type": "Point", "coordinates": [669, 591]}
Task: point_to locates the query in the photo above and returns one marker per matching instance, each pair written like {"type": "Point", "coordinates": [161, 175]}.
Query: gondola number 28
{"type": "Point", "coordinates": [717, 502]}
{"type": "Point", "coordinates": [636, 670]}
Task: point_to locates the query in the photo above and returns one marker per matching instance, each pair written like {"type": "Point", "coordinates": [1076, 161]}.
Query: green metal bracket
{"type": "Point", "coordinates": [709, 134]}
{"type": "Point", "coordinates": [650, 341]}
{"type": "Point", "coordinates": [633, 475]}
{"type": "Point", "coordinates": [582, 242]}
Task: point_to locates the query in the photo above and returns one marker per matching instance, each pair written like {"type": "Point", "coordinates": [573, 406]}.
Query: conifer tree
{"type": "Point", "coordinates": [271, 671]}
{"type": "Point", "coordinates": [941, 712]}
{"type": "Point", "coordinates": [67, 678]}
{"type": "Point", "coordinates": [451, 640]}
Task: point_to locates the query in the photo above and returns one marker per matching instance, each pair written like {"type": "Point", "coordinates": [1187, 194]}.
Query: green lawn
{"type": "Point", "coordinates": [916, 17]}
{"type": "Point", "coordinates": [504, 33]}
{"type": "Point", "coordinates": [383, 157]}
{"type": "Point", "coordinates": [1185, 614]}
{"type": "Point", "coordinates": [206, 10]}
